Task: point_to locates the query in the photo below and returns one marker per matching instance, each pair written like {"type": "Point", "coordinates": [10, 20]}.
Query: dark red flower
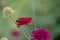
{"type": "Point", "coordinates": [15, 33]}
{"type": "Point", "coordinates": [40, 34]}
{"type": "Point", "coordinates": [23, 21]}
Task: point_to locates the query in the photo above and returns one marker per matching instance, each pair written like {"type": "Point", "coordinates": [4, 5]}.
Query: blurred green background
{"type": "Point", "coordinates": [45, 13]}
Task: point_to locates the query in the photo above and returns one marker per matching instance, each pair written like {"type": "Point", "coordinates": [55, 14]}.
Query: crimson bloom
{"type": "Point", "coordinates": [15, 33]}
{"type": "Point", "coordinates": [23, 21]}
{"type": "Point", "coordinates": [40, 34]}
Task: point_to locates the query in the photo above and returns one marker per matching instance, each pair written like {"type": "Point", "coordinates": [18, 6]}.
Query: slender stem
{"type": "Point", "coordinates": [34, 14]}
{"type": "Point", "coordinates": [12, 19]}
{"type": "Point", "coordinates": [25, 33]}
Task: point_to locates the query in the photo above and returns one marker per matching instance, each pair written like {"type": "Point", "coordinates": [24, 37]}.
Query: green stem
{"type": "Point", "coordinates": [34, 14]}
{"type": "Point", "coordinates": [12, 19]}
{"type": "Point", "coordinates": [26, 31]}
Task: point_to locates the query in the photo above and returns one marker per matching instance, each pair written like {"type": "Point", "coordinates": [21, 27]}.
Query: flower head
{"type": "Point", "coordinates": [7, 11]}
{"type": "Point", "coordinates": [23, 21]}
{"type": "Point", "coordinates": [40, 34]}
{"type": "Point", "coordinates": [15, 33]}
{"type": "Point", "coordinates": [4, 38]}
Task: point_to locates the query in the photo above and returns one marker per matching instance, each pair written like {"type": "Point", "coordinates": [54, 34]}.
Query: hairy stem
{"type": "Point", "coordinates": [26, 31]}
{"type": "Point", "coordinates": [12, 19]}
{"type": "Point", "coordinates": [25, 34]}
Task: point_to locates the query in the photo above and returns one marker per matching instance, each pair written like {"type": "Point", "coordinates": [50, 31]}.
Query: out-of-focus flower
{"type": "Point", "coordinates": [7, 11]}
{"type": "Point", "coordinates": [40, 34]}
{"type": "Point", "coordinates": [4, 38]}
{"type": "Point", "coordinates": [15, 33]}
{"type": "Point", "coordinates": [23, 21]}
